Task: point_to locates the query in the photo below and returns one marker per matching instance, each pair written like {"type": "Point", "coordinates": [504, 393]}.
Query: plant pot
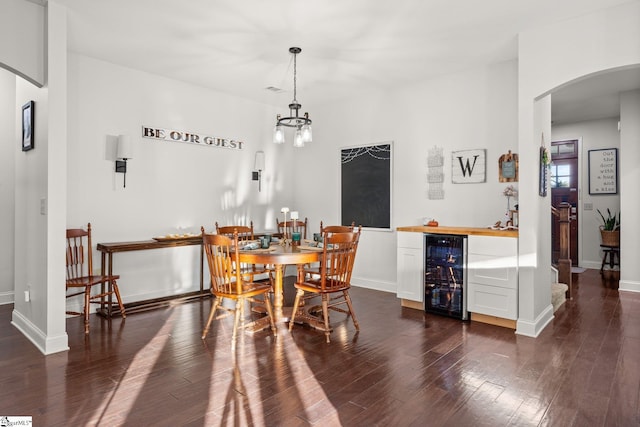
{"type": "Point", "coordinates": [610, 238]}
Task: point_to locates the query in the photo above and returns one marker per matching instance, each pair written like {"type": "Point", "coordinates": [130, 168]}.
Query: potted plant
{"type": "Point", "coordinates": [610, 228]}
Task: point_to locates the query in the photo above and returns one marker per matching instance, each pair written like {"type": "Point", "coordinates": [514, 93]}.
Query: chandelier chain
{"type": "Point", "coordinates": [295, 78]}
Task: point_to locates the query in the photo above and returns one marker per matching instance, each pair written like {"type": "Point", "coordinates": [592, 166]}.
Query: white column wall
{"type": "Point", "coordinates": [549, 57]}
{"type": "Point", "coordinates": [629, 174]}
{"type": "Point", "coordinates": [8, 147]}
{"type": "Point", "coordinates": [40, 203]}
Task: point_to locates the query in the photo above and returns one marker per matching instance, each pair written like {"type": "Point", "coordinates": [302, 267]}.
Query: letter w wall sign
{"type": "Point", "coordinates": [468, 166]}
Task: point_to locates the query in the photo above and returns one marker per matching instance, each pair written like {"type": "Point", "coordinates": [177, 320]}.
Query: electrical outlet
{"type": "Point", "coordinates": [27, 296]}
{"type": "Point", "coordinates": [588, 206]}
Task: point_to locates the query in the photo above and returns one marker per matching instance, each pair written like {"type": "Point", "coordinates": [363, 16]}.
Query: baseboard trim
{"type": "Point", "coordinates": [376, 285]}
{"type": "Point", "coordinates": [46, 344]}
{"type": "Point", "coordinates": [7, 298]}
{"type": "Point", "coordinates": [629, 286]}
{"type": "Point", "coordinates": [533, 329]}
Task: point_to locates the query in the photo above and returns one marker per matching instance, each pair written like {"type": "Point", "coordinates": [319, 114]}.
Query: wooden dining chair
{"type": "Point", "coordinates": [315, 268]}
{"type": "Point", "coordinates": [245, 235]}
{"type": "Point", "coordinates": [80, 277]}
{"type": "Point", "coordinates": [337, 228]}
{"type": "Point", "coordinates": [333, 282]}
{"type": "Point", "coordinates": [245, 232]}
{"type": "Point", "coordinates": [286, 228]}
{"type": "Point", "coordinates": [227, 282]}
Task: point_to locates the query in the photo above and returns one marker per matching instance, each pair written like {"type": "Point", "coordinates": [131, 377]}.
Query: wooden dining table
{"type": "Point", "coordinates": [280, 256]}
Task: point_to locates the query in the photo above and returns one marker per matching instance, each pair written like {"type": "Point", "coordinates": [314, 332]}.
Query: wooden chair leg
{"type": "Point", "coordinates": [347, 298]}
{"type": "Point", "coordinates": [212, 313]}
{"type": "Point", "coordinates": [236, 319]}
{"type": "Point", "coordinates": [117, 292]}
{"type": "Point", "coordinates": [604, 260]}
{"type": "Point", "coordinates": [325, 315]}
{"type": "Point", "coordinates": [87, 306]}
{"type": "Point", "coordinates": [296, 302]}
{"type": "Point", "coordinates": [267, 303]}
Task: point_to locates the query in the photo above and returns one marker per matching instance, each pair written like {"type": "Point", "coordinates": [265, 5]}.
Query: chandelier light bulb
{"type": "Point", "coordinates": [306, 133]}
{"type": "Point", "coordinates": [278, 135]}
{"type": "Point", "coordinates": [297, 140]}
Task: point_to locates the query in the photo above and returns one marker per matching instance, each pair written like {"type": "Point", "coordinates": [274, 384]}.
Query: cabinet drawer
{"type": "Point", "coordinates": [489, 270]}
{"type": "Point", "coordinates": [410, 240]}
{"type": "Point", "coordinates": [495, 246]}
{"type": "Point", "coordinates": [492, 300]}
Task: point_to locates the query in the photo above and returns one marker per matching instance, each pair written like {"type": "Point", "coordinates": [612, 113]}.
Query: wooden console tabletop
{"type": "Point", "coordinates": [469, 231]}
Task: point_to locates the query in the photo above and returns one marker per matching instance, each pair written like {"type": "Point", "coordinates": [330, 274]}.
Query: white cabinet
{"type": "Point", "coordinates": [492, 264]}
{"type": "Point", "coordinates": [410, 266]}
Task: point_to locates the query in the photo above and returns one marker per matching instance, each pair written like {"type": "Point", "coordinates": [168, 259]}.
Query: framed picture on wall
{"type": "Point", "coordinates": [27, 126]}
{"type": "Point", "coordinates": [603, 171]}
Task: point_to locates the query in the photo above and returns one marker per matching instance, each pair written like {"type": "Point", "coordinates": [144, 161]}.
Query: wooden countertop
{"type": "Point", "coordinates": [470, 231]}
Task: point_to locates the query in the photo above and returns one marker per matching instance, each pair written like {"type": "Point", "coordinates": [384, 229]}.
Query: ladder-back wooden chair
{"type": "Point", "coordinates": [80, 275]}
{"type": "Point", "coordinates": [228, 283]}
{"type": "Point", "coordinates": [286, 228]}
{"type": "Point", "coordinates": [333, 282]}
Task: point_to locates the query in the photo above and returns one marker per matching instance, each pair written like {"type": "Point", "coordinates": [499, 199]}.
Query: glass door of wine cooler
{"type": "Point", "coordinates": [445, 275]}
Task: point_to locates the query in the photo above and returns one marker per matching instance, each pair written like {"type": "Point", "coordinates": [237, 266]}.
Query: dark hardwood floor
{"type": "Point", "coordinates": [404, 368]}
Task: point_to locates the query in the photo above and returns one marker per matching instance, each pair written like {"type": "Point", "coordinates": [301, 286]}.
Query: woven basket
{"type": "Point", "coordinates": [610, 238]}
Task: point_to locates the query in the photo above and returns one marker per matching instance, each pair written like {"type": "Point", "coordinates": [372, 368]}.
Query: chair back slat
{"type": "Point", "coordinates": [79, 260]}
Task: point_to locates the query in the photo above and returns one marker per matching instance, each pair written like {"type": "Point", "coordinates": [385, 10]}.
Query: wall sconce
{"type": "Point", "coordinates": [123, 153]}
{"type": "Point", "coordinates": [258, 167]}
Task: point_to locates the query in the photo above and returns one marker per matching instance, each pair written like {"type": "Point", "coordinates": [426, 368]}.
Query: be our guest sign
{"type": "Point", "coordinates": [190, 138]}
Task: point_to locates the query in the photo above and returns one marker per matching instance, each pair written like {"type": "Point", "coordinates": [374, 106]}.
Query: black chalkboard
{"type": "Point", "coordinates": [366, 186]}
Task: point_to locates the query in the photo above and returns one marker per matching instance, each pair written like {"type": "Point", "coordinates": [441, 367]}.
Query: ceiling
{"type": "Point", "coordinates": [348, 47]}
{"type": "Point", "coordinates": [594, 97]}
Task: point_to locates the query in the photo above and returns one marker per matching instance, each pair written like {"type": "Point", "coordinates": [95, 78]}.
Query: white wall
{"type": "Point", "coordinates": [630, 203]}
{"type": "Point", "coordinates": [593, 135]}
{"type": "Point", "coordinates": [470, 110]}
{"type": "Point", "coordinates": [548, 58]}
{"type": "Point", "coordinates": [170, 186]}
{"type": "Point", "coordinates": [8, 147]}
{"type": "Point", "coordinates": [22, 38]}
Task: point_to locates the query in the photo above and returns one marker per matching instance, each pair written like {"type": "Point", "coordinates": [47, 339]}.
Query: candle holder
{"type": "Point", "coordinates": [285, 237]}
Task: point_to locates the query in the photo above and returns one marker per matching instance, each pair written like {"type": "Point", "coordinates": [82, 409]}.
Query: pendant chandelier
{"type": "Point", "coordinates": [301, 124]}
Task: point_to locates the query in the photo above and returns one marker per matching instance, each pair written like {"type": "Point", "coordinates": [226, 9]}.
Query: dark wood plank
{"type": "Point", "coordinates": [403, 368]}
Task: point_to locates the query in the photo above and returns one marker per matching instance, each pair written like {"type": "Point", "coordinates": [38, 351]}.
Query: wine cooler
{"type": "Point", "coordinates": [445, 275]}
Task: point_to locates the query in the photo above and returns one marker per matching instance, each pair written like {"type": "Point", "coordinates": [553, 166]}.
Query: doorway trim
{"type": "Point", "coordinates": [580, 203]}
